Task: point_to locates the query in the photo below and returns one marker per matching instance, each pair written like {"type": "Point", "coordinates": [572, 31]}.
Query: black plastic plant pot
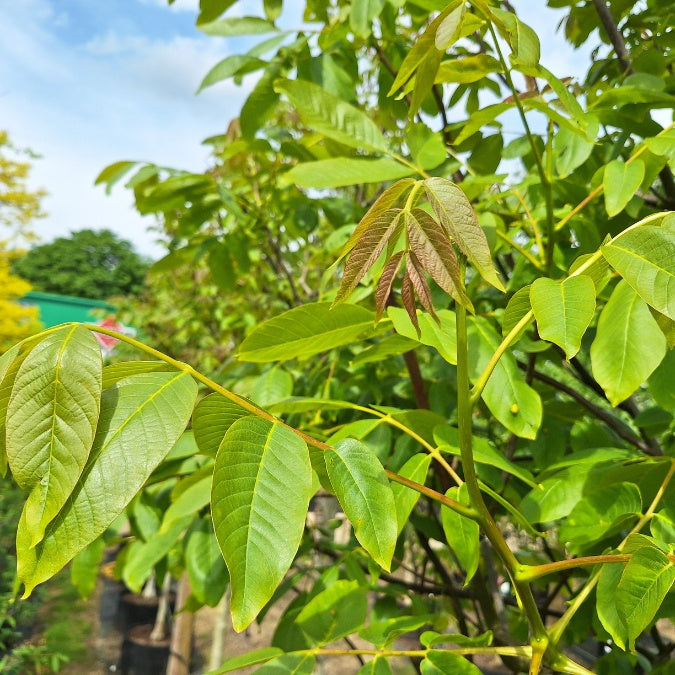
{"type": "Point", "coordinates": [143, 656]}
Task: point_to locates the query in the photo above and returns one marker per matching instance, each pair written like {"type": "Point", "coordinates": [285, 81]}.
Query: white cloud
{"type": "Point", "coordinates": [112, 96]}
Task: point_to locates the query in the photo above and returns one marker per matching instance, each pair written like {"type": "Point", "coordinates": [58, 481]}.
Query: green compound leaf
{"type": "Point", "coordinates": [563, 310]}
{"type": "Point", "coordinates": [363, 490]}
{"type": "Point", "coordinates": [628, 345]}
{"type": "Point", "coordinates": [645, 258]}
{"type": "Point", "coordinates": [140, 420]}
{"type": "Point", "coordinates": [262, 483]}
{"type": "Point", "coordinates": [51, 421]}
{"type": "Point", "coordinates": [305, 331]}
{"type": "Point", "coordinates": [646, 579]}
{"type": "Point", "coordinates": [620, 182]}
{"type": "Point", "coordinates": [332, 117]}
{"type": "Point", "coordinates": [461, 533]}
{"type": "Point", "coordinates": [461, 223]}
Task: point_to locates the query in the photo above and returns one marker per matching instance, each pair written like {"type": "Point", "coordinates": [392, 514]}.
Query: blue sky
{"type": "Point", "coordinates": [85, 83]}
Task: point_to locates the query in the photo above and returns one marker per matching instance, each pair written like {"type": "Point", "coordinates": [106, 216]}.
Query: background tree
{"type": "Point", "coordinates": [88, 264]}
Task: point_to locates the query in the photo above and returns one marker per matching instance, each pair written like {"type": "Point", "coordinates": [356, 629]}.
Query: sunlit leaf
{"type": "Point", "coordinates": [644, 257]}
{"type": "Point", "coordinates": [405, 498]}
{"type": "Point", "coordinates": [620, 182]}
{"type": "Point", "coordinates": [306, 330]}
{"type": "Point", "coordinates": [262, 483]}
{"type": "Point", "coordinates": [628, 345]}
{"type": "Point", "coordinates": [362, 487]}
{"type": "Point", "coordinates": [563, 310]}
{"type": "Point", "coordinates": [141, 418]}
{"type": "Point", "coordinates": [51, 421]}
{"type": "Point", "coordinates": [212, 417]}
{"type": "Point", "coordinates": [462, 534]}
{"type": "Point", "coordinates": [459, 220]}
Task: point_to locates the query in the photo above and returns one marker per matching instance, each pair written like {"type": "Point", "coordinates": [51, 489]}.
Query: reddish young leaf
{"type": "Point", "coordinates": [385, 283]}
{"type": "Point", "coordinates": [408, 297]}
{"type": "Point", "coordinates": [419, 282]}
{"type": "Point", "coordinates": [433, 249]}
{"type": "Point", "coordinates": [383, 203]}
{"type": "Point", "coordinates": [367, 251]}
{"type": "Point", "coordinates": [459, 219]}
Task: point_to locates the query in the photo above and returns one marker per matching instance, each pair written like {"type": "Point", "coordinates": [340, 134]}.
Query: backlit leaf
{"type": "Point", "coordinates": [448, 30]}
{"type": "Point", "coordinates": [362, 14]}
{"type": "Point", "coordinates": [367, 250]}
{"type": "Point", "coordinates": [439, 662]}
{"type": "Point", "coordinates": [440, 336]}
{"type": "Point", "coordinates": [522, 39]}
{"type": "Point", "coordinates": [141, 418]}
{"type": "Point", "coordinates": [460, 221]}
{"type": "Point", "coordinates": [433, 249]}
{"type": "Point", "coordinates": [331, 116]}
{"type": "Point", "coordinates": [628, 345]}
{"type": "Point", "coordinates": [342, 171]}
{"type": "Point", "coordinates": [238, 25]}
{"type": "Point", "coordinates": [305, 331]}
{"type": "Point", "coordinates": [51, 421]}
{"type": "Point", "coordinates": [645, 258]}
{"type": "Point", "coordinates": [620, 182]}
{"type": "Point", "coordinates": [563, 310]}
{"type": "Point", "coordinates": [468, 69]}
{"type": "Point", "coordinates": [262, 483]}
{"type": "Point", "coordinates": [362, 487]}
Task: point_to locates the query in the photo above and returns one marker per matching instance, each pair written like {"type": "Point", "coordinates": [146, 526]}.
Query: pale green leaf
{"type": "Point", "coordinates": [205, 565]}
{"type": "Point", "coordinates": [141, 418]}
{"type": "Point", "coordinates": [306, 330]}
{"type": "Point", "coordinates": [481, 118]}
{"type": "Point", "coordinates": [262, 483]}
{"type": "Point", "coordinates": [238, 25]}
{"type": "Point", "coordinates": [420, 50]}
{"type": "Point", "coordinates": [343, 171]}
{"type": "Point", "coordinates": [362, 487]}
{"type": "Point", "coordinates": [229, 66]}
{"type": "Point", "coordinates": [377, 666]}
{"type": "Point", "coordinates": [335, 612]}
{"type": "Point", "coordinates": [84, 568]}
{"type": "Point", "coordinates": [212, 417]}
{"type": "Point", "coordinates": [620, 181]}
{"type": "Point", "coordinates": [331, 116]}
{"type": "Point", "coordinates": [645, 258]}
{"type": "Point", "coordinates": [51, 421]}
{"type": "Point", "coordinates": [462, 534]}
{"type": "Point", "coordinates": [468, 69]}
{"type": "Point", "coordinates": [189, 501]}
{"type": "Point", "coordinates": [442, 337]}
{"type": "Point", "coordinates": [663, 144]}
{"type": "Point", "coordinates": [405, 498]}
{"type": "Point", "coordinates": [460, 221]}
{"type": "Point", "coordinates": [516, 308]}
{"type": "Point", "coordinates": [646, 579]}
{"type": "Point", "coordinates": [628, 345]}
{"type": "Point", "coordinates": [563, 310]}
{"type": "Point", "coordinates": [448, 30]}
{"type": "Point", "coordinates": [362, 14]}
{"type": "Point", "coordinates": [570, 151]}
{"type": "Point", "coordinates": [522, 39]}
{"type": "Point", "coordinates": [272, 386]}
{"type": "Point", "coordinates": [431, 638]}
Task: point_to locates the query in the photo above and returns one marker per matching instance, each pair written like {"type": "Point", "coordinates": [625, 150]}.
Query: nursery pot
{"type": "Point", "coordinates": [137, 610]}
{"type": "Point", "coordinates": [143, 656]}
